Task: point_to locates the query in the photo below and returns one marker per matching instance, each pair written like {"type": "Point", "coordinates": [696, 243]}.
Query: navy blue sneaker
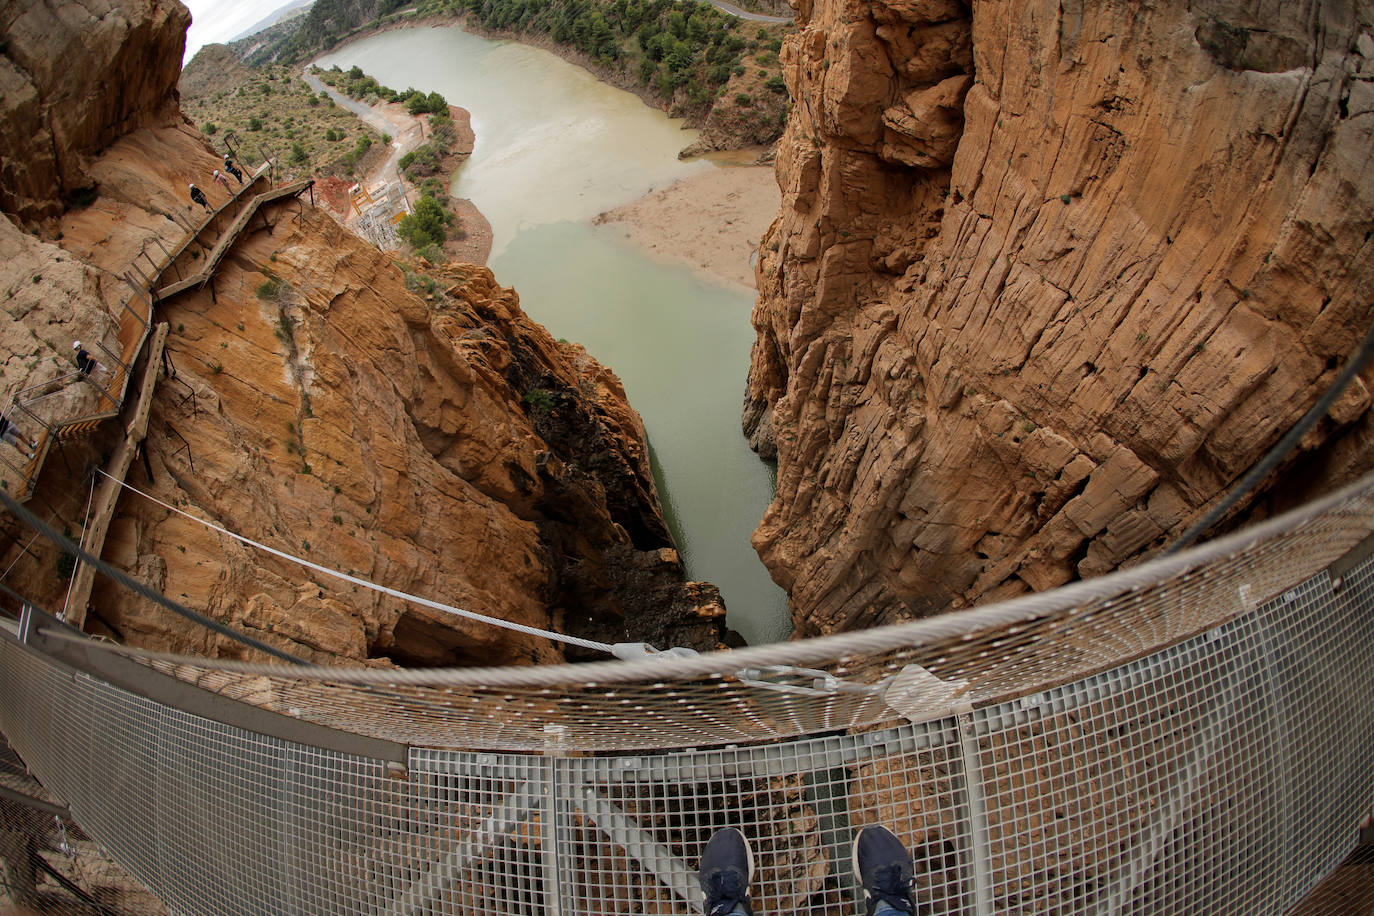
{"type": "Point", "coordinates": [727, 863]}
{"type": "Point", "coordinates": [884, 868]}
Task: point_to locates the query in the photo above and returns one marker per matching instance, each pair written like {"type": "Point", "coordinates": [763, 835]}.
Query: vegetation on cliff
{"type": "Point", "coordinates": [358, 85]}
{"type": "Point", "coordinates": [685, 54]}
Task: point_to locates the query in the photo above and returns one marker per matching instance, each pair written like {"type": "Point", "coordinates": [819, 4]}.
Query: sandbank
{"type": "Point", "coordinates": [711, 221]}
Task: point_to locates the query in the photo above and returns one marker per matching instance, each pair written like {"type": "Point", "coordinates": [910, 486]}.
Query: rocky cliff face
{"type": "Point", "coordinates": [414, 429]}
{"type": "Point", "coordinates": [1048, 278]}
{"type": "Point", "coordinates": [57, 113]}
{"type": "Point", "coordinates": [438, 443]}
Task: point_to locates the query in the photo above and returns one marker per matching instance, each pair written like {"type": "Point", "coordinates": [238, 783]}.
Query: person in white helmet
{"type": "Point", "coordinates": [86, 364]}
{"type": "Point", "coordinates": [198, 196]}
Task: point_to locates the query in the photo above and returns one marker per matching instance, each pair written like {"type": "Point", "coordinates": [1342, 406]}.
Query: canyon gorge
{"type": "Point", "coordinates": [407, 426]}
{"type": "Point", "coordinates": [1048, 278]}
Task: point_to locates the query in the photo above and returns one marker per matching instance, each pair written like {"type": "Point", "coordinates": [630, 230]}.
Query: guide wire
{"type": "Point", "coordinates": [383, 589]}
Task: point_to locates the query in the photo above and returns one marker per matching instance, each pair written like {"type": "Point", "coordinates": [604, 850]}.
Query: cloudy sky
{"type": "Point", "coordinates": [220, 20]}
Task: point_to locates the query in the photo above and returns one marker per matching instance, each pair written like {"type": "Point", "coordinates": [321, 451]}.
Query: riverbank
{"type": "Point", "coordinates": [472, 244]}
{"type": "Point", "coordinates": [748, 109]}
{"type": "Point", "coordinates": [711, 221]}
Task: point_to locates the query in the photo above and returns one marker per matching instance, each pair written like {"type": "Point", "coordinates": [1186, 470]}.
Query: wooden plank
{"type": "Point", "coordinates": [102, 510]}
{"type": "Point", "coordinates": [231, 234]}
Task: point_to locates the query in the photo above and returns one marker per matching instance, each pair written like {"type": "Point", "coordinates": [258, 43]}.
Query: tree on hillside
{"type": "Point", "coordinates": [428, 225]}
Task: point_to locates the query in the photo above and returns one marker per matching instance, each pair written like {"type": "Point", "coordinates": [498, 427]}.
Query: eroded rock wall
{"type": "Point", "coordinates": [410, 428]}
{"type": "Point", "coordinates": [438, 443]}
{"type": "Point", "coordinates": [58, 112]}
{"type": "Point", "coordinates": [1048, 278]}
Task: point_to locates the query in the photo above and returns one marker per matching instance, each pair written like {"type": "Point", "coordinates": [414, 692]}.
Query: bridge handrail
{"type": "Point", "coordinates": [918, 670]}
{"type": "Point", "coordinates": [1226, 772]}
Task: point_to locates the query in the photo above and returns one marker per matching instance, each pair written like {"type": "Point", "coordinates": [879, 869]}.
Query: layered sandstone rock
{"type": "Point", "coordinates": [57, 112]}
{"type": "Point", "coordinates": [1048, 278]}
{"type": "Point", "coordinates": [416, 430]}
{"type": "Point", "coordinates": [440, 444]}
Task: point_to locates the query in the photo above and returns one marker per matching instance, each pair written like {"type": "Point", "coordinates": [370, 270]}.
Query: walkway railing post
{"type": "Point", "coordinates": [141, 320]}
{"type": "Point", "coordinates": [553, 882]}
{"type": "Point", "coordinates": [137, 271]}
{"type": "Point", "coordinates": [980, 846]}
{"type": "Point", "coordinates": [36, 418]}
{"type": "Point", "coordinates": [25, 622]}
{"type": "Point", "coordinates": [171, 262]}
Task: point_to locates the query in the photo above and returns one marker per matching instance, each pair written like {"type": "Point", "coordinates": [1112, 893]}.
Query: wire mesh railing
{"type": "Point", "coordinates": [48, 864]}
{"type": "Point", "coordinates": [1193, 735]}
{"type": "Point", "coordinates": [924, 669]}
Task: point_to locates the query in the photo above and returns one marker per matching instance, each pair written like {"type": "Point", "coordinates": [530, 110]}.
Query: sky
{"type": "Point", "coordinates": [221, 20]}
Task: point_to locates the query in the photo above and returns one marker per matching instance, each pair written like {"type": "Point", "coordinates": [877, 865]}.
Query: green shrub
{"type": "Point", "coordinates": [421, 161]}
{"type": "Point", "coordinates": [269, 288]}
{"type": "Point", "coordinates": [433, 103]}
{"type": "Point", "coordinates": [426, 226]}
{"type": "Point", "coordinates": [539, 400]}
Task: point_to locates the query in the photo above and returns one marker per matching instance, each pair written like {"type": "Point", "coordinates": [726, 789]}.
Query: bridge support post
{"type": "Point", "coordinates": [551, 838]}
{"type": "Point", "coordinates": [980, 846]}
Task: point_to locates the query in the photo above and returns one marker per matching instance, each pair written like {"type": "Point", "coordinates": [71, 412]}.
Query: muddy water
{"type": "Point", "coordinates": [555, 147]}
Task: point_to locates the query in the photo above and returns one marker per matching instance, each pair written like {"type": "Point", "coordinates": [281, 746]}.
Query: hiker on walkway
{"type": "Point", "coordinates": [219, 176]}
{"type": "Point", "coordinates": [198, 196]}
{"type": "Point", "coordinates": [233, 169]}
{"type": "Point", "coordinates": [85, 362]}
{"type": "Point", "coordinates": [11, 434]}
{"type": "Point", "coordinates": [882, 866]}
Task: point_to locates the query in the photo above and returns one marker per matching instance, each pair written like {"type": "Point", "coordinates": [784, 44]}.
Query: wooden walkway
{"type": "Point", "coordinates": [30, 409]}
{"type": "Point", "coordinates": [230, 235]}
{"type": "Point", "coordinates": [135, 329]}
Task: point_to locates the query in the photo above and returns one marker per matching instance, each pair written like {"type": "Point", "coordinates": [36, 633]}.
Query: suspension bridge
{"type": "Point", "coordinates": [1191, 735]}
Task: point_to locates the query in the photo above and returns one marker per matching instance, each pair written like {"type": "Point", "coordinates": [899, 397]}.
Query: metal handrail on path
{"type": "Point", "coordinates": [133, 325]}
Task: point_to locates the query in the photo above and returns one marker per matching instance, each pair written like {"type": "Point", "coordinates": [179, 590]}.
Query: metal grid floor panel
{"type": "Point", "coordinates": [1224, 772]}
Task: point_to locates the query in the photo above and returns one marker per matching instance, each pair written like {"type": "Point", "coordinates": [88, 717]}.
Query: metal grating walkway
{"type": "Point", "coordinates": [1031, 755]}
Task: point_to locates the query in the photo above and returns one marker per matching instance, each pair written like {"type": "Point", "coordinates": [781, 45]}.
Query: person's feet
{"type": "Point", "coordinates": [726, 866]}
{"type": "Point", "coordinates": [884, 868]}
